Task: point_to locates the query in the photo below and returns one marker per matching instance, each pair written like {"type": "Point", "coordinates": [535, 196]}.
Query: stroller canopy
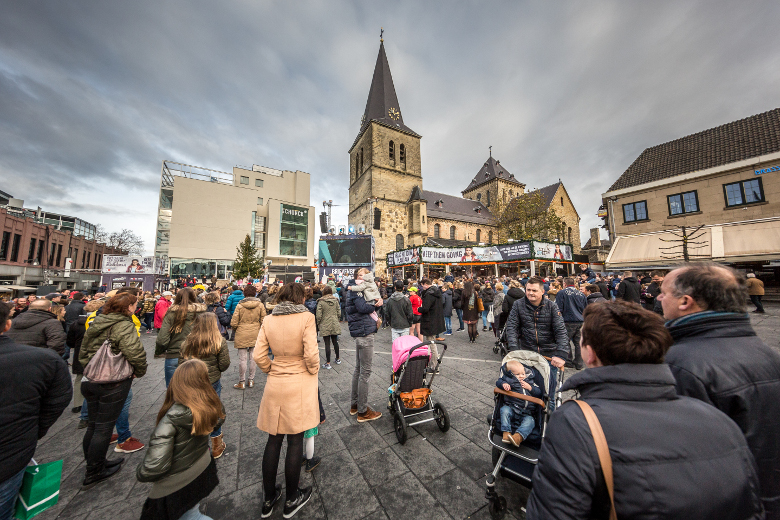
{"type": "Point", "coordinates": [403, 345]}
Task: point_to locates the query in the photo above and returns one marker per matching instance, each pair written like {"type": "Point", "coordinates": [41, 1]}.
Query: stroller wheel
{"type": "Point", "coordinates": [442, 419]}
{"type": "Point", "coordinates": [495, 349]}
{"type": "Point", "coordinates": [497, 508]}
{"type": "Point", "coordinates": [400, 427]}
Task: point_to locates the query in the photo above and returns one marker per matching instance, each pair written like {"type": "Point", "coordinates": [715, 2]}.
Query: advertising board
{"type": "Point", "coordinates": [547, 251]}
{"type": "Point", "coordinates": [404, 257]}
{"type": "Point", "coordinates": [113, 264]}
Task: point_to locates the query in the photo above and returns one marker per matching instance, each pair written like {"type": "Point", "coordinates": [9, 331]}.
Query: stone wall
{"type": "Point", "coordinates": [463, 230]}
{"type": "Point", "coordinates": [569, 216]}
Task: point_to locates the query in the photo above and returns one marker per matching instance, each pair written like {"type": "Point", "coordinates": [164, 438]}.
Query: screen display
{"type": "Point", "coordinates": [346, 251]}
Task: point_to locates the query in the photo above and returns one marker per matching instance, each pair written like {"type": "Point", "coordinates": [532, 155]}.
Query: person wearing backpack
{"type": "Point", "coordinates": [113, 328]}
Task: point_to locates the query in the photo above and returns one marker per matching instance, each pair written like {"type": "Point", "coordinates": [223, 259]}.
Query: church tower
{"type": "Point", "coordinates": [385, 171]}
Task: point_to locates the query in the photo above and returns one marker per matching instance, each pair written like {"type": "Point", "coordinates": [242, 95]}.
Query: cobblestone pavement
{"type": "Point", "coordinates": [364, 472]}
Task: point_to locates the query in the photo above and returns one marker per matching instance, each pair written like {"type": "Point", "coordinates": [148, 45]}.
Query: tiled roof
{"type": "Point", "coordinates": [750, 137]}
{"type": "Point", "coordinates": [492, 169]}
{"type": "Point", "coordinates": [441, 205]}
{"type": "Point", "coordinates": [548, 192]}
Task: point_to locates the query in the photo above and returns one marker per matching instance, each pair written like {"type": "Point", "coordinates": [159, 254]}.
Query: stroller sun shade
{"type": "Point", "coordinates": [402, 346]}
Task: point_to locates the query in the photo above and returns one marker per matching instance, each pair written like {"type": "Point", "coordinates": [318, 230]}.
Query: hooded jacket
{"type": "Point", "coordinates": [629, 290]}
{"type": "Point", "coordinates": [124, 339]}
{"type": "Point", "coordinates": [457, 297]}
{"type": "Point", "coordinates": [717, 358]}
{"type": "Point", "coordinates": [398, 311]}
{"type": "Point", "coordinates": [432, 312]}
{"type": "Point", "coordinates": [361, 324]}
{"type": "Point", "coordinates": [655, 440]}
{"type": "Point", "coordinates": [487, 294]}
{"type": "Point", "coordinates": [540, 329]}
{"type": "Point", "coordinates": [160, 309]}
{"type": "Point", "coordinates": [327, 313]}
{"type": "Point", "coordinates": [169, 342]}
{"type": "Point", "coordinates": [247, 318]}
{"type": "Point", "coordinates": [447, 295]}
{"type": "Point", "coordinates": [38, 328]}
{"type": "Point", "coordinates": [232, 301]}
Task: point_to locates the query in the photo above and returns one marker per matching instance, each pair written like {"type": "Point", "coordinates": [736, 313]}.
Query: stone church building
{"type": "Point", "coordinates": [386, 174]}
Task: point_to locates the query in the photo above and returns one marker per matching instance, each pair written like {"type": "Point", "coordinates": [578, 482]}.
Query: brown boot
{"type": "Point", "coordinates": [370, 415]}
{"type": "Point", "coordinates": [505, 438]}
{"type": "Point", "coordinates": [239, 385]}
{"type": "Point", "coordinates": [251, 383]}
{"type": "Point", "coordinates": [353, 410]}
{"type": "Point", "coordinates": [218, 446]}
{"type": "Point", "coordinates": [516, 439]}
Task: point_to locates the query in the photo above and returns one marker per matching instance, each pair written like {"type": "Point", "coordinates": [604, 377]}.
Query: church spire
{"type": "Point", "coordinates": [382, 104]}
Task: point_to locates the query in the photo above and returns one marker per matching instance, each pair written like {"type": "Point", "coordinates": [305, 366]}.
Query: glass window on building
{"type": "Point", "coordinates": [259, 183]}
{"type": "Point", "coordinates": [635, 211]}
{"type": "Point", "coordinates": [4, 245]}
{"type": "Point", "coordinates": [687, 202]}
{"type": "Point", "coordinates": [745, 192]}
{"type": "Point", "coordinates": [244, 180]}
{"type": "Point", "coordinates": [293, 235]}
{"type": "Point", "coordinates": [259, 201]}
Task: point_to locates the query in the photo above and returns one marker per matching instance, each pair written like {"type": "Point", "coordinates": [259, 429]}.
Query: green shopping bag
{"type": "Point", "coordinates": [40, 489]}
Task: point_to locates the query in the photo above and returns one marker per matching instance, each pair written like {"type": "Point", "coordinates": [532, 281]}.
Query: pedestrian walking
{"type": "Point", "coordinates": [246, 321]}
{"type": "Point", "coordinates": [398, 311]}
{"type": "Point", "coordinates": [161, 308]}
{"type": "Point", "coordinates": [447, 297]}
{"type": "Point", "coordinates": [472, 308]}
{"type": "Point", "coordinates": [457, 295]}
{"type": "Point", "coordinates": [498, 304]}
{"type": "Point", "coordinates": [755, 292]}
{"type": "Point", "coordinates": [572, 302]}
{"type": "Point", "coordinates": [432, 314]}
{"type": "Point", "coordinates": [416, 302]}
{"type": "Point", "coordinates": [328, 314]}
{"type": "Point", "coordinates": [289, 405]}
{"type": "Point", "coordinates": [487, 294]}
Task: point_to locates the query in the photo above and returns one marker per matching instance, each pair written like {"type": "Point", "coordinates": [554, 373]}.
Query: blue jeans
{"type": "Point", "coordinates": [170, 368]}
{"type": "Point", "coordinates": [148, 320]}
{"type": "Point", "coordinates": [448, 324]}
{"type": "Point", "coordinates": [459, 312]}
{"type": "Point", "coordinates": [218, 389]}
{"type": "Point", "coordinates": [123, 421]}
{"type": "Point", "coordinates": [66, 354]}
{"type": "Point", "coordinates": [8, 492]}
{"type": "Point", "coordinates": [194, 514]}
{"type": "Point", "coordinates": [84, 416]}
{"type": "Point", "coordinates": [515, 422]}
{"type": "Point", "coordinates": [484, 317]}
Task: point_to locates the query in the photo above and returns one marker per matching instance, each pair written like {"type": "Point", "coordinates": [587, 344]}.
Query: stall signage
{"type": "Point", "coordinates": [407, 256]}
{"type": "Point", "coordinates": [547, 251]}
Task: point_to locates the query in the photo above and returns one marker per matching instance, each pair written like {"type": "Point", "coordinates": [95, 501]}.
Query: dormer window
{"type": "Point", "coordinates": [479, 197]}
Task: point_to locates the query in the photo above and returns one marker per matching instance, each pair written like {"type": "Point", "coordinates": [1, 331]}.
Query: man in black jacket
{"type": "Point", "coordinates": [36, 388]}
{"type": "Point", "coordinates": [718, 359]}
{"type": "Point", "coordinates": [39, 327]}
{"type": "Point", "coordinates": [74, 309]}
{"type": "Point", "coordinates": [432, 313]}
{"type": "Point", "coordinates": [672, 457]}
{"type": "Point", "coordinates": [629, 288]}
{"type": "Point", "coordinates": [398, 312]}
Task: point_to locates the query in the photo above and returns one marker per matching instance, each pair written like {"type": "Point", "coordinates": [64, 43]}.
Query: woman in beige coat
{"type": "Point", "coordinates": [246, 321]}
{"type": "Point", "coordinates": [289, 405]}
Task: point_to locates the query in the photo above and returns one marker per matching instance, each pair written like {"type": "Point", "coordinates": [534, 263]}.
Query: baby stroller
{"type": "Point", "coordinates": [410, 393]}
{"type": "Point", "coordinates": [502, 345]}
{"type": "Point", "coordinates": [518, 463]}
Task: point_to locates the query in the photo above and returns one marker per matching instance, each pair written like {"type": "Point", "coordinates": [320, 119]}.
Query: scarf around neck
{"type": "Point", "coordinates": [283, 308]}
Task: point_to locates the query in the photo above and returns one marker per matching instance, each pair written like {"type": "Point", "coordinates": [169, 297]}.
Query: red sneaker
{"type": "Point", "coordinates": [129, 446]}
{"type": "Point", "coordinates": [114, 438]}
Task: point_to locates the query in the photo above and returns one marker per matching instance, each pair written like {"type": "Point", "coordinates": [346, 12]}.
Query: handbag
{"type": "Point", "coordinates": [107, 367]}
{"type": "Point", "coordinates": [480, 305]}
{"type": "Point", "coordinates": [490, 318]}
{"type": "Point", "coordinates": [603, 450]}
{"type": "Point", "coordinates": [40, 489]}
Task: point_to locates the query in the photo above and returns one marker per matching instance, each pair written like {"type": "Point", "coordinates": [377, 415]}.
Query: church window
{"type": "Point", "coordinates": [479, 197]}
{"type": "Point", "coordinates": [569, 236]}
{"type": "Point", "coordinates": [452, 232]}
{"type": "Point", "coordinates": [360, 170]}
{"type": "Point", "coordinates": [392, 151]}
{"type": "Point", "coordinates": [399, 241]}
{"type": "Point", "coordinates": [479, 235]}
{"type": "Point", "coordinates": [488, 199]}
{"type": "Point", "coordinates": [490, 237]}
{"type": "Point", "coordinates": [510, 194]}
{"type": "Point", "coordinates": [436, 230]}
{"type": "Point", "coordinates": [402, 152]}
{"type": "Point", "coordinates": [561, 201]}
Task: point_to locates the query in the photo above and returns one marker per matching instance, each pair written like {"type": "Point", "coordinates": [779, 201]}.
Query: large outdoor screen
{"type": "Point", "coordinates": [346, 251]}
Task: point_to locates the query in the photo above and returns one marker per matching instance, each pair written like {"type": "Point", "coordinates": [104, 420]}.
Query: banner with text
{"type": "Point", "coordinates": [547, 251]}
{"type": "Point", "coordinates": [405, 257]}
{"type": "Point", "coordinates": [113, 264]}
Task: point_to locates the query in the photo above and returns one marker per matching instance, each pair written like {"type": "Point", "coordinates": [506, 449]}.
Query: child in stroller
{"type": "Point", "coordinates": [517, 415]}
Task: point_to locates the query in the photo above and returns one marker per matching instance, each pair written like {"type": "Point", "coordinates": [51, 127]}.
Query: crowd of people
{"type": "Point", "coordinates": [671, 360]}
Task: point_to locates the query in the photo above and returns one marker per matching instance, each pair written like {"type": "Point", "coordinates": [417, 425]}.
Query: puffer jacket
{"type": "Point", "coordinates": [498, 307]}
{"type": "Point", "coordinates": [328, 313]}
{"type": "Point", "coordinates": [718, 358]}
{"type": "Point", "coordinates": [540, 329]}
{"type": "Point", "coordinates": [361, 324]}
{"type": "Point", "coordinates": [124, 339]}
{"type": "Point", "coordinates": [160, 310]}
{"type": "Point", "coordinates": [311, 305]}
{"type": "Point", "coordinates": [169, 342]}
{"type": "Point", "coordinates": [457, 297]}
{"type": "Point", "coordinates": [655, 442]}
{"type": "Point", "coordinates": [233, 300]}
{"type": "Point", "coordinates": [487, 294]}
{"type": "Point", "coordinates": [38, 328]}
{"type": "Point", "coordinates": [247, 318]}
{"type": "Point", "coordinates": [629, 290]}
{"type": "Point", "coordinates": [521, 406]}
{"type": "Point", "coordinates": [148, 305]}
{"type": "Point", "coordinates": [222, 316]}
{"type": "Point", "coordinates": [432, 311]}
{"type": "Point", "coordinates": [216, 363]}
{"type": "Point", "coordinates": [173, 449]}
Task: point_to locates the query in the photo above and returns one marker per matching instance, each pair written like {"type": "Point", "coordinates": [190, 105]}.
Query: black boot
{"type": "Point", "coordinates": [293, 506]}
{"type": "Point", "coordinates": [93, 479]}
{"type": "Point", "coordinates": [110, 463]}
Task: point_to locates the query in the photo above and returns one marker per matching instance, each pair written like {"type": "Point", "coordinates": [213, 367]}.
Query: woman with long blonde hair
{"type": "Point", "coordinates": [178, 461]}
{"type": "Point", "coordinates": [206, 343]}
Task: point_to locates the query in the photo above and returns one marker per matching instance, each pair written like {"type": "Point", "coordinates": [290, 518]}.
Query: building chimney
{"type": "Point", "coordinates": [595, 241]}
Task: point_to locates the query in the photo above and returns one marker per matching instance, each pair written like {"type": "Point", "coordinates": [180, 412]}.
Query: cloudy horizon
{"type": "Point", "coordinates": [93, 97]}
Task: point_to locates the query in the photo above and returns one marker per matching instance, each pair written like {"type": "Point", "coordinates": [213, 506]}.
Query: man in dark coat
{"type": "Point", "coordinates": [672, 457]}
{"type": "Point", "coordinates": [74, 309]}
{"type": "Point", "coordinates": [39, 327]}
{"type": "Point", "coordinates": [593, 294]}
{"type": "Point", "coordinates": [629, 288]}
{"type": "Point", "coordinates": [432, 313]}
{"type": "Point", "coordinates": [36, 389]}
{"type": "Point", "coordinates": [572, 302]}
{"type": "Point", "coordinates": [717, 358]}
{"type": "Point", "coordinates": [398, 312]}
{"type": "Point", "coordinates": [362, 327]}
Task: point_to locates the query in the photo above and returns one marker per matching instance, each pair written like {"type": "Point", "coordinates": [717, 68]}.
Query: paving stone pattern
{"type": "Point", "coordinates": [364, 474]}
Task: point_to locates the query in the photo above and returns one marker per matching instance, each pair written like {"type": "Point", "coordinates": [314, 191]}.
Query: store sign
{"type": "Point", "coordinates": [768, 170]}
{"type": "Point", "coordinates": [407, 256]}
{"type": "Point", "coordinates": [547, 251]}
{"type": "Point", "coordinates": [293, 212]}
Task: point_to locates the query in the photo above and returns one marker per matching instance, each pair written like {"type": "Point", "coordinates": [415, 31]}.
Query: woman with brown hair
{"type": "Point", "coordinates": [178, 460]}
{"type": "Point", "coordinates": [246, 321]}
{"type": "Point", "coordinates": [105, 400]}
{"type": "Point", "coordinates": [289, 405]}
{"type": "Point", "coordinates": [176, 326]}
{"type": "Point", "coordinates": [206, 343]}
{"type": "Point", "coordinates": [472, 309]}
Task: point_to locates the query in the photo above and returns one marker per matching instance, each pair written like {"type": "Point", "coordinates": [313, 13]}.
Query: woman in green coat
{"type": "Point", "coordinates": [328, 314]}
{"type": "Point", "coordinates": [176, 326]}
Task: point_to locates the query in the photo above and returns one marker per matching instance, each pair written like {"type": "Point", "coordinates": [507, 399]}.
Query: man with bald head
{"type": "Point", "coordinates": [39, 327]}
{"type": "Point", "coordinates": [717, 358]}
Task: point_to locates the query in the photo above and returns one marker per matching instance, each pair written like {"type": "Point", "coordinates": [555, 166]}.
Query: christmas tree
{"type": "Point", "coordinates": [247, 260]}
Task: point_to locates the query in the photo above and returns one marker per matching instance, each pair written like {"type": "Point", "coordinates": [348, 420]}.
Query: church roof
{"type": "Point", "coordinates": [382, 104]}
{"type": "Point", "coordinates": [443, 206]}
{"type": "Point", "coordinates": [492, 169]}
{"type": "Point", "coordinates": [548, 192]}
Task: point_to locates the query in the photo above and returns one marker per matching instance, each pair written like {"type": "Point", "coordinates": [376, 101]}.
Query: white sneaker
{"type": "Point", "coordinates": [338, 361]}
{"type": "Point", "coordinates": [326, 366]}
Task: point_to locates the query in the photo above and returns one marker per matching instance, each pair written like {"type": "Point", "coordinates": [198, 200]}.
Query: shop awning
{"type": "Point", "coordinates": [748, 241]}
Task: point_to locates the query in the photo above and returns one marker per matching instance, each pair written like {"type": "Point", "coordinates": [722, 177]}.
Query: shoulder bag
{"type": "Point", "coordinates": [603, 450]}
{"type": "Point", "coordinates": [107, 367]}
{"type": "Point", "coordinates": [480, 305]}
{"type": "Point", "coordinates": [490, 316]}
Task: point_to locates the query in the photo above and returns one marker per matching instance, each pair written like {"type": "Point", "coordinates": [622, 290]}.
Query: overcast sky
{"type": "Point", "coordinates": [94, 95]}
